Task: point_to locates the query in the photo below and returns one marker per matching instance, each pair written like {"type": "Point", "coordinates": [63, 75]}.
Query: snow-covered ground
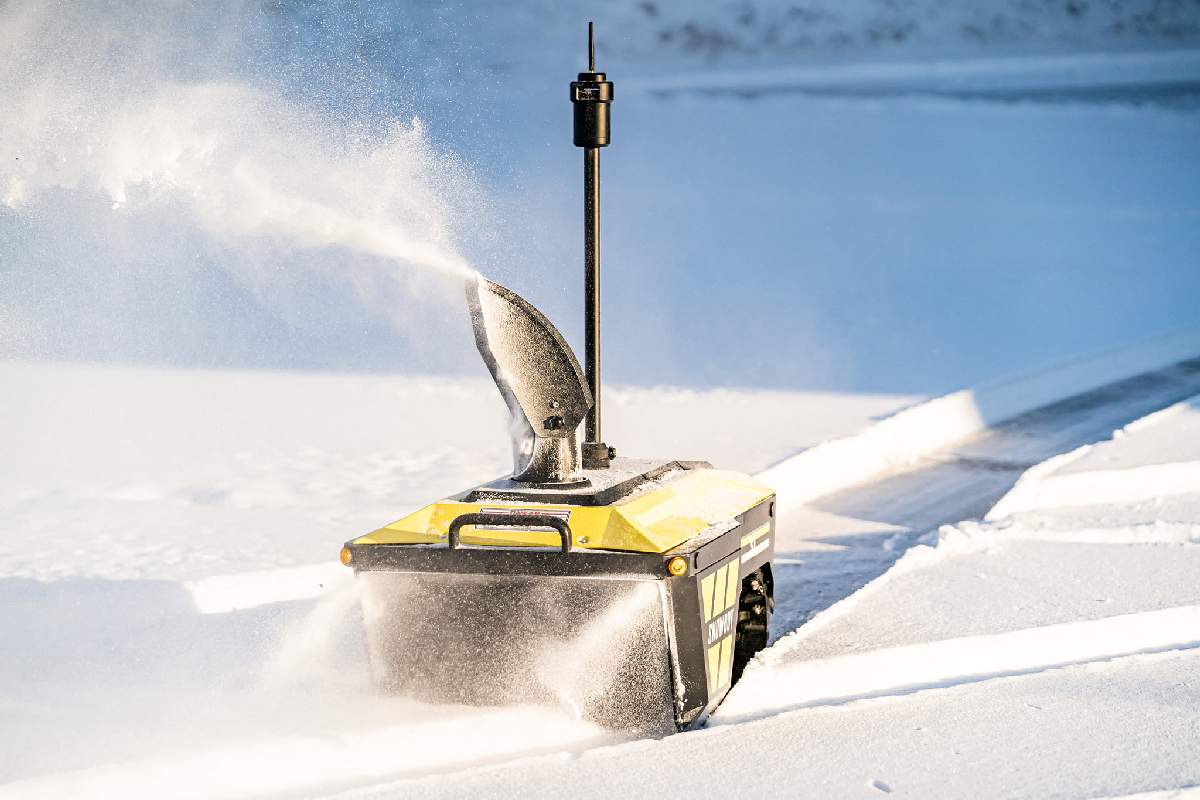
{"type": "Point", "coordinates": [176, 642]}
{"type": "Point", "coordinates": [137, 473]}
{"type": "Point", "coordinates": [167, 534]}
{"type": "Point", "coordinates": [1064, 628]}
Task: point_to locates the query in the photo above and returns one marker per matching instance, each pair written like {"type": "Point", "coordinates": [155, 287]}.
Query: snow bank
{"type": "Point", "coordinates": [891, 671]}
{"type": "Point", "coordinates": [1115, 486]}
{"type": "Point", "coordinates": [1074, 480]}
{"type": "Point", "coordinates": [922, 429]}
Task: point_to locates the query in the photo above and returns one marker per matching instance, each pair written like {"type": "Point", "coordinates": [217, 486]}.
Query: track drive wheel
{"type": "Point", "coordinates": [754, 613]}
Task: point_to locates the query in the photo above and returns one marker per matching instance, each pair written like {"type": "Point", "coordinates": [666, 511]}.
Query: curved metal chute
{"type": "Point", "coordinates": [539, 378]}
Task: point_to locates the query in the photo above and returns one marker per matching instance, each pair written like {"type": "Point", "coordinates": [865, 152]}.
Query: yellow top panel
{"type": "Point", "coordinates": [655, 519]}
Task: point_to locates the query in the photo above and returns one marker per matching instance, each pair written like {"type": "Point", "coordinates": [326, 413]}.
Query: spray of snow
{"type": "Point", "coordinates": [312, 651]}
{"type": "Point", "coordinates": [244, 162]}
{"type": "Point", "coordinates": [576, 674]}
{"type": "Point", "coordinates": [138, 164]}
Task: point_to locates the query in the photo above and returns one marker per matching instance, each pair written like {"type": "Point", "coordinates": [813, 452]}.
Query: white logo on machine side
{"type": "Point", "coordinates": [560, 513]}
{"type": "Point", "coordinates": [750, 539]}
{"type": "Point", "coordinates": [722, 625]}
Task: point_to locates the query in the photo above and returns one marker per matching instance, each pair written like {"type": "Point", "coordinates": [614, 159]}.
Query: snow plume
{"type": "Point", "coordinates": [134, 147]}
{"type": "Point", "coordinates": [245, 162]}
{"type": "Point", "coordinates": [319, 649]}
{"type": "Point", "coordinates": [615, 666]}
{"type": "Point", "coordinates": [595, 650]}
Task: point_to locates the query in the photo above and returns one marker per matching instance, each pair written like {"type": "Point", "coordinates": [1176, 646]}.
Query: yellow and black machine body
{"type": "Point", "coordinates": [631, 591]}
{"type": "Point", "coordinates": [485, 597]}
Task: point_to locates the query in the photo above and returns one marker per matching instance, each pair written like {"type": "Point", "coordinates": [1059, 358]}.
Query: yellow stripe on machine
{"type": "Point", "coordinates": [719, 590]}
{"type": "Point", "coordinates": [706, 594]}
{"type": "Point", "coordinates": [732, 584]}
{"type": "Point", "coordinates": [718, 601]}
{"type": "Point", "coordinates": [714, 669]}
{"type": "Point", "coordinates": [719, 593]}
{"type": "Point", "coordinates": [725, 671]}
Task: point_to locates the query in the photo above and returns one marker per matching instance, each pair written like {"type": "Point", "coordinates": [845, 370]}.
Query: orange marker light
{"type": "Point", "coordinates": [677, 566]}
{"type": "Point", "coordinates": [345, 556]}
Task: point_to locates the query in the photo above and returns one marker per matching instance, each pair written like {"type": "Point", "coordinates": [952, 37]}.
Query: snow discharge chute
{"type": "Point", "coordinates": [539, 378]}
{"type": "Point", "coordinates": [631, 591]}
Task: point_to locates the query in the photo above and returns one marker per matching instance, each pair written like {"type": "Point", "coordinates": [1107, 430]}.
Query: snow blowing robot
{"type": "Point", "coordinates": [631, 590]}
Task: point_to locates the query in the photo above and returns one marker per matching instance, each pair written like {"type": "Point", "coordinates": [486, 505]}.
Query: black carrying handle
{"type": "Point", "coordinates": [512, 520]}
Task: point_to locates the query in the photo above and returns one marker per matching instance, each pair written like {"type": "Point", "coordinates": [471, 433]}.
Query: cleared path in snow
{"type": "Point", "coordinates": [836, 544]}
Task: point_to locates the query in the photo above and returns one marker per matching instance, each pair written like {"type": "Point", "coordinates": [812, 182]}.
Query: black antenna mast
{"type": "Point", "coordinates": [591, 96]}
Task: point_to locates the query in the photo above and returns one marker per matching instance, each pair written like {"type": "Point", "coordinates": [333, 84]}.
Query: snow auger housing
{"type": "Point", "coordinates": [632, 591]}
